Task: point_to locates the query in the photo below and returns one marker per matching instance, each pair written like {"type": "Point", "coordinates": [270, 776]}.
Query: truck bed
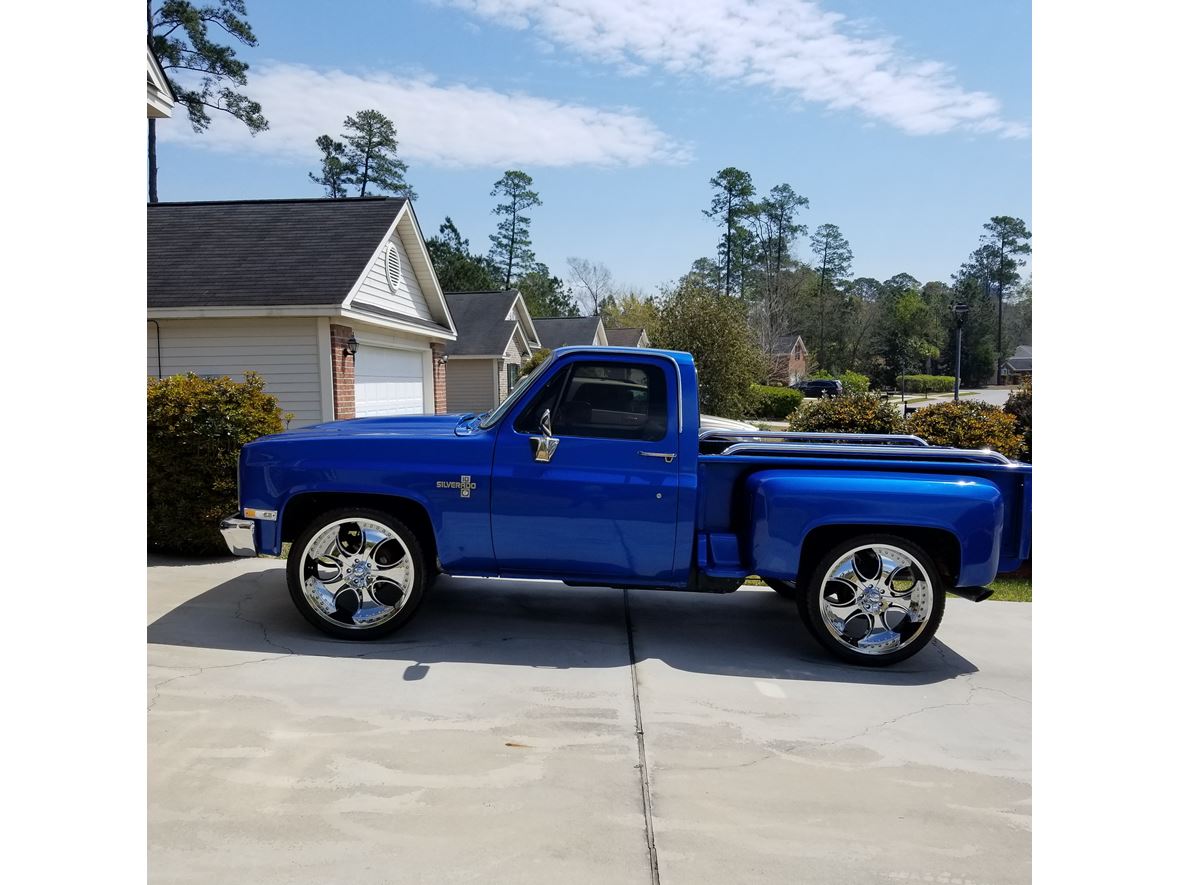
{"type": "Point", "coordinates": [728, 459]}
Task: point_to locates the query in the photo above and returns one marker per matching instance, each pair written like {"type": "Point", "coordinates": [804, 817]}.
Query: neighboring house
{"type": "Point", "coordinates": [160, 97]}
{"type": "Point", "coordinates": [627, 338]}
{"type": "Point", "coordinates": [788, 359]}
{"type": "Point", "coordinates": [1019, 365]}
{"type": "Point", "coordinates": [558, 332]}
{"type": "Point", "coordinates": [496, 334]}
{"type": "Point", "coordinates": [286, 288]}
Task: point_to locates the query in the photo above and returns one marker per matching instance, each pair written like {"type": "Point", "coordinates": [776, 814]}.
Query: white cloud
{"type": "Point", "coordinates": [785, 45]}
{"type": "Point", "coordinates": [437, 125]}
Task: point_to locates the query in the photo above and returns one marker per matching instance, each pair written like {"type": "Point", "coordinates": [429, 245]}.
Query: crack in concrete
{"type": "Point", "coordinates": [200, 670]}
{"type": "Point", "coordinates": [972, 689]}
{"type": "Point", "coordinates": [261, 626]}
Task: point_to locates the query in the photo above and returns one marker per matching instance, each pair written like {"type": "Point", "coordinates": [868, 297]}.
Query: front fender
{"type": "Point", "coordinates": [785, 506]}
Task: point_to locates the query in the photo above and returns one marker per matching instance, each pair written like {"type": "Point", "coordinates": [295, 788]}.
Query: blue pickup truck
{"type": "Point", "coordinates": [597, 471]}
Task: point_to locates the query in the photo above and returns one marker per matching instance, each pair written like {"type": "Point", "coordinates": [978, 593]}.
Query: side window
{"type": "Point", "coordinates": [513, 375]}
{"type": "Point", "coordinates": [613, 401]}
{"type": "Point", "coordinates": [529, 420]}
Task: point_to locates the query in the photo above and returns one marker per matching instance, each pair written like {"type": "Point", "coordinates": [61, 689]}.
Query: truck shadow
{"type": "Point", "coordinates": [751, 633]}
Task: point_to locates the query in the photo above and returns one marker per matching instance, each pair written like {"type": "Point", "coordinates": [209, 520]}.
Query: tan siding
{"type": "Point", "coordinates": [469, 385]}
{"type": "Point", "coordinates": [513, 356]}
{"type": "Point", "coordinates": [407, 299]}
{"type": "Point", "coordinates": [283, 350]}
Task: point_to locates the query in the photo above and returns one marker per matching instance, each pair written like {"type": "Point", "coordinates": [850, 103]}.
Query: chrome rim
{"type": "Point", "coordinates": [876, 599]}
{"type": "Point", "coordinates": [357, 573]}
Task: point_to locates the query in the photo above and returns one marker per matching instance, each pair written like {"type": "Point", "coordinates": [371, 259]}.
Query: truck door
{"type": "Point", "coordinates": [596, 497]}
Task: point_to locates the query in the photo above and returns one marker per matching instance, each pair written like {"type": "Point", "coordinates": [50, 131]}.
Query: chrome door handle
{"type": "Point", "coordinates": [668, 457]}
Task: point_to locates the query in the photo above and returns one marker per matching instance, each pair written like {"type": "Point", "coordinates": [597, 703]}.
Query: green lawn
{"type": "Point", "coordinates": [1012, 589]}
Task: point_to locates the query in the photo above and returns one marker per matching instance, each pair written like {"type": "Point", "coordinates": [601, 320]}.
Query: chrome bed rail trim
{"type": "Point", "coordinates": [919, 453]}
{"type": "Point", "coordinates": [896, 439]}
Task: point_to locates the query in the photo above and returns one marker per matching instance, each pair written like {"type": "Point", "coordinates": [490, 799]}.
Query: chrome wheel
{"type": "Point", "coordinates": [357, 573]}
{"type": "Point", "coordinates": [876, 599]}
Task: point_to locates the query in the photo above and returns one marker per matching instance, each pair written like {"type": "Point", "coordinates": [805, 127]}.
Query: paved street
{"type": "Point", "coordinates": [495, 740]}
{"type": "Point", "coordinates": [996, 396]}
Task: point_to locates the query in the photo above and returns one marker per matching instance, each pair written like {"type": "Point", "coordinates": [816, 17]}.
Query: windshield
{"type": "Point", "coordinates": [489, 418]}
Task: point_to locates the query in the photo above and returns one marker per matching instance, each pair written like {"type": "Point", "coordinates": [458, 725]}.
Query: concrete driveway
{"type": "Point", "coordinates": [495, 740]}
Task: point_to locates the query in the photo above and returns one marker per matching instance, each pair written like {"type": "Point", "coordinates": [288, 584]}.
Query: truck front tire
{"type": "Point", "coordinates": [356, 573]}
{"type": "Point", "coordinates": [873, 600]}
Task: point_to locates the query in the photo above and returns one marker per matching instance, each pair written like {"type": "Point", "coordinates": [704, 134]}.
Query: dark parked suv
{"type": "Point", "coordinates": [820, 387]}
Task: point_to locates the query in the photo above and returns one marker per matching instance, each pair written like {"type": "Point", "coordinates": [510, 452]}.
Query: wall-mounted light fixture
{"type": "Point", "coordinates": [441, 360]}
{"type": "Point", "coordinates": [350, 346]}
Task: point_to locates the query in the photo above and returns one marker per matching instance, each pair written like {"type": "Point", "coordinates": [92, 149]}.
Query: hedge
{"type": "Point", "coordinates": [927, 383]}
{"type": "Point", "coordinates": [775, 403]}
{"type": "Point", "coordinates": [195, 429]}
{"type": "Point", "coordinates": [1019, 406]}
{"type": "Point", "coordinates": [967, 425]}
{"type": "Point", "coordinates": [851, 413]}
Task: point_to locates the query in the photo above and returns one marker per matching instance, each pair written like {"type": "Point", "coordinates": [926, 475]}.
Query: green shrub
{"type": "Point", "coordinates": [539, 356]}
{"type": "Point", "coordinates": [927, 383]}
{"type": "Point", "coordinates": [1019, 406]}
{"type": "Point", "coordinates": [820, 373]}
{"type": "Point", "coordinates": [851, 413]}
{"type": "Point", "coordinates": [775, 403]}
{"type": "Point", "coordinates": [967, 425]}
{"type": "Point", "coordinates": [195, 429]}
{"type": "Point", "coordinates": [854, 382]}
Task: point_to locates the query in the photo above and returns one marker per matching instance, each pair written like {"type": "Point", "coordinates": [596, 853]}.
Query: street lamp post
{"type": "Point", "coordinates": [959, 309]}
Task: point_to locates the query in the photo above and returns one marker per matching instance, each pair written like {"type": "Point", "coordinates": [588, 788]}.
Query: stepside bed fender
{"type": "Point", "coordinates": [786, 506]}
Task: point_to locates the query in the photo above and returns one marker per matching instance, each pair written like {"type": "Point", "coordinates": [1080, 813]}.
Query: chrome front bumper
{"type": "Point", "coordinates": [239, 536]}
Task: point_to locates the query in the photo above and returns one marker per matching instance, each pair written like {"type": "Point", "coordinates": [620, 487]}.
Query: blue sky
{"type": "Point", "coordinates": [905, 123]}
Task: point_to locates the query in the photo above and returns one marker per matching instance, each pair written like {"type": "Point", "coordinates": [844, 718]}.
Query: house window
{"type": "Point", "coordinates": [513, 375]}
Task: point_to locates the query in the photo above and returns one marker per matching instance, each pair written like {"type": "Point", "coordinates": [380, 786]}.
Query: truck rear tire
{"type": "Point", "coordinates": [356, 573]}
{"type": "Point", "coordinates": [873, 600]}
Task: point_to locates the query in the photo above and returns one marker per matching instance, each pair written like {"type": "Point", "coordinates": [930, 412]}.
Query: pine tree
{"type": "Point", "coordinates": [336, 172]}
{"type": "Point", "coordinates": [511, 243]}
{"type": "Point", "coordinates": [178, 32]}
{"type": "Point", "coordinates": [833, 261]}
{"type": "Point", "coordinates": [371, 150]}
{"type": "Point", "coordinates": [732, 199]}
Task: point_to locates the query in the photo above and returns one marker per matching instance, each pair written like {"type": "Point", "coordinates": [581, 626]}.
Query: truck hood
{"type": "Point", "coordinates": [419, 426]}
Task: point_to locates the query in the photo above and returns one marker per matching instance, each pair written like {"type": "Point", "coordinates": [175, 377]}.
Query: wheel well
{"type": "Point", "coordinates": [302, 509]}
{"type": "Point", "coordinates": [942, 545]}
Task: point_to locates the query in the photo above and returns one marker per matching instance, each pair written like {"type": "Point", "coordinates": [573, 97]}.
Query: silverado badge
{"type": "Point", "coordinates": [464, 485]}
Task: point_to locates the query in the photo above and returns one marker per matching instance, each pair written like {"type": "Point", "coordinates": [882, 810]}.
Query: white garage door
{"type": "Point", "coordinates": [388, 382]}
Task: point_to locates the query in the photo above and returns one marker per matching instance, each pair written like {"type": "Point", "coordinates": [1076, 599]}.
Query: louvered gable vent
{"type": "Point", "coordinates": [393, 266]}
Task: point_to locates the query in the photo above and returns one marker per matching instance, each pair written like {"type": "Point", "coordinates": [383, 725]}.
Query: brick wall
{"type": "Point", "coordinates": [440, 379]}
{"type": "Point", "coordinates": [343, 374]}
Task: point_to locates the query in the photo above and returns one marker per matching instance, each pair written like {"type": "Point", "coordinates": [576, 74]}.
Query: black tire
{"type": "Point", "coordinates": [784, 589]}
{"type": "Point", "coordinates": [811, 598]}
{"type": "Point", "coordinates": [342, 626]}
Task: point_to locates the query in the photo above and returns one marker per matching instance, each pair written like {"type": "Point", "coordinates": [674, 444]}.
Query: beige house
{"type": "Point", "coordinates": [495, 335]}
{"type": "Point", "coordinates": [334, 302]}
{"type": "Point", "coordinates": [160, 97]}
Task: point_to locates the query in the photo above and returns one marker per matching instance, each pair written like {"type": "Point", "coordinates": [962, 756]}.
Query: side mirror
{"type": "Point", "coordinates": [544, 445]}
